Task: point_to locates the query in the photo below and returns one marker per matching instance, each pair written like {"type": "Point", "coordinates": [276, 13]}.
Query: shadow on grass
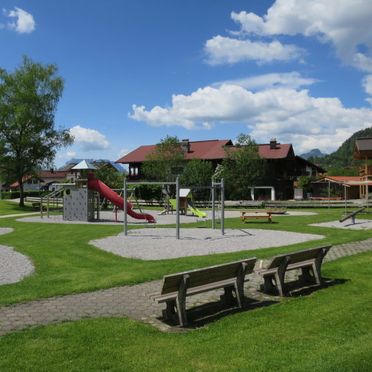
{"type": "Point", "coordinates": [298, 289]}
{"type": "Point", "coordinates": [201, 315]}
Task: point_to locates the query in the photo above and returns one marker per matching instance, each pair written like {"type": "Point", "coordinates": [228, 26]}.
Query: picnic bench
{"type": "Point", "coordinates": [253, 214]}
{"type": "Point", "coordinates": [308, 260]}
{"type": "Point", "coordinates": [352, 215]}
{"type": "Point", "coordinates": [176, 287]}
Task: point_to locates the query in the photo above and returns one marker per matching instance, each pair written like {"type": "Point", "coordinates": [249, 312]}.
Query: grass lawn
{"type": "Point", "coordinates": [65, 262]}
{"type": "Point", "coordinates": [8, 207]}
{"type": "Point", "coordinates": [329, 330]}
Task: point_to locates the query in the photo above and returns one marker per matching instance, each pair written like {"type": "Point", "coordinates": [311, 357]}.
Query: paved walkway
{"type": "Point", "coordinates": [130, 301]}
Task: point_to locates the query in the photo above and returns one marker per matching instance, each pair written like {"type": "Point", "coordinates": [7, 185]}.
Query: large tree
{"type": "Point", "coordinates": [197, 173]}
{"type": "Point", "coordinates": [28, 137]}
{"type": "Point", "coordinates": [243, 168]}
{"type": "Point", "coordinates": [166, 162]}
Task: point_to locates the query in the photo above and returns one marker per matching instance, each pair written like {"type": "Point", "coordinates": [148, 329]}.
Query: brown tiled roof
{"type": "Point", "coordinates": [343, 178]}
{"type": "Point", "coordinates": [55, 174]}
{"type": "Point", "coordinates": [281, 151]}
{"type": "Point", "coordinates": [209, 150]}
{"type": "Point", "coordinates": [204, 150]}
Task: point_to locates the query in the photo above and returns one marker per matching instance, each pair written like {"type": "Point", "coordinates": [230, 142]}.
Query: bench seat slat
{"type": "Point", "coordinates": [196, 290]}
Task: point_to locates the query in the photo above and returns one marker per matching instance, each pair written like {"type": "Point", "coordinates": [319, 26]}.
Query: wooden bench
{"type": "Point", "coordinates": [308, 260]}
{"type": "Point", "coordinates": [352, 215]}
{"type": "Point", "coordinates": [176, 287]}
{"type": "Point", "coordinates": [247, 215]}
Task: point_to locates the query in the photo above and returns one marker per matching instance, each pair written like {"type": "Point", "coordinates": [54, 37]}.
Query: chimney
{"type": "Point", "coordinates": [273, 144]}
{"type": "Point", "coordinates": [185, 145]}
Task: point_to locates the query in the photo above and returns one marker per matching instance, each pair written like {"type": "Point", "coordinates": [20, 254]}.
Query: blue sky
{"type": "Point", "coordinates": [136, 71]}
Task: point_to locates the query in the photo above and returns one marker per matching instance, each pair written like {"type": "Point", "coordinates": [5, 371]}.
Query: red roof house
{"type": "Point", "coordinates": [285, 166]}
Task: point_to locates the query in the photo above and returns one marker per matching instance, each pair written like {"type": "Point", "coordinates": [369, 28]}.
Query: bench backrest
{"type": "Point", "coordinates": [203, 276]}
{"type": "Point", "coordinates": [295, 257]}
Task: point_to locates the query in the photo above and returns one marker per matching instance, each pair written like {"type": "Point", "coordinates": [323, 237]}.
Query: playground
{"type": "Point", "coordinates": [72, 279]}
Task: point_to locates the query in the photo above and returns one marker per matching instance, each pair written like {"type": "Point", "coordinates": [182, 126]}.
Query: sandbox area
{"type": "Point", "coordinates": [160, 244]}
{"type": "Point", "coordinates": [14, 266]}
{"type": "Point", "coordinates": [360, 224]}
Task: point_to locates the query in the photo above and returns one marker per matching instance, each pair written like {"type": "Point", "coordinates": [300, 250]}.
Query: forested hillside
{"type": "Point", "coordinates": [341, 161]}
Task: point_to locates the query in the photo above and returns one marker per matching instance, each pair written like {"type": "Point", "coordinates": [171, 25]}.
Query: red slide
{"type": "Point", "coordinates": [104, 190]}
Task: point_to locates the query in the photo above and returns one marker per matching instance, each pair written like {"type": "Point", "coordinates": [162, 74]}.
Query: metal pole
{"type": "Point", "coordinates": [177, 208]}
{"type": "Point", "coordinates": [345, 199]}
{"type": "Point", "coordinates": [213, 207]}
{"type": "Point", "coordinates": [329, 194]}
{"type": "Point", "coordinates": [125, 207]}
{"type": "Point", "coordinates": [222, 207]}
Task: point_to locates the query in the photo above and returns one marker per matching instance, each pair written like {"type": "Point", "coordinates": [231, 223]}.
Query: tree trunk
{"type": "Point", "coordinates": [21, 194]}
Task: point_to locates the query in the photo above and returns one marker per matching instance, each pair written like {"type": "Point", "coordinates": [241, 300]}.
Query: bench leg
{"type": "Point", "coordinates": [169, 312]}
{"type": "Point", "coordinates": [181, 301]}
{"type": "Point", "coordinates": [239, 284]}
{"type": "Point", "coordinates": [280, 276]}
{"type": "Point", "coordinates": [279, 279]}
{"type": "Point", "coordinates": [181, 311]}
{"type": "Point", "coordinates": [268, 284]}
{"type": "Point", "coordinates": [306, 276]}
{"type": "Point", "coordinates": [227, 296]}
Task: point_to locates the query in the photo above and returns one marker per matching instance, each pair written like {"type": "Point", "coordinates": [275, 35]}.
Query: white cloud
{"type": "Point", "coordinates": [286, 79]}
{"type": "Point", "coordinates": [343, 23]}
{"type": "Point", "coordinates": [288, 114]}
{"type": "Point", "coordinates": [23, 23]}
{"type": "Point", "coordinates": [122, 153]}
{"type": "Point", "coordinates": [367, 84]}
{"type": "Point", "coordinates": [89, 139]}
{"type": "Point", "coordinates": [71, 154]}
{"type": "Point", "coordinates": [226, 50]}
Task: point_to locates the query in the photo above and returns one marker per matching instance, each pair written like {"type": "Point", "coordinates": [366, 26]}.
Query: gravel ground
{"type": "Point", "coordinates": [108, 218]}
{"type": "Point", "coordinates": [359, 224]}
{"type": "Point", "coordinates": [14, 266]}
{"type": "Point", "coordinates": [159, 244]}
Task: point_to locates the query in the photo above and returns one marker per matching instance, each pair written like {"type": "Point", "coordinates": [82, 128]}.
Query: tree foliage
{"type": "Point", "coordinates": [197, 173]}
{"type": "Point", "coordinates": [166, 162]}
{"type": "Point", "coordinates": [28, 102]}
{"type": "Point", "coordinates": [242, 168]}
{"type": "Point", "coordinates": [110, 176]}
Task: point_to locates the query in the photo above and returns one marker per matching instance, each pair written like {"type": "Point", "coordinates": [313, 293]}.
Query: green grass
{"type": "Point", "coordinates": [329, 330]}
{"type": "Point", "coordinates": [8, 207]}
{"type": "Point", "coordinates": [65, 262]}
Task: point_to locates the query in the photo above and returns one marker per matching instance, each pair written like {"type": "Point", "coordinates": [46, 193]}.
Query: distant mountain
{"type": "Point", "coordinates": [314, 153]}
{"type": "Point", "coordinates": [343, 156]}
{"type": "Point", "coordinates": [68, 164]}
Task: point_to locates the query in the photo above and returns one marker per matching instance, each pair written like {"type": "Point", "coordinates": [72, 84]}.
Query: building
{"type": "Point", "coordinates": [42, 181]}
{"type": "Point", "coordinates": [285, 167]}
{"type": "Point", "coordinates": [363, 151]}
{"type": "Point", "coordinates": [337, 187]}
